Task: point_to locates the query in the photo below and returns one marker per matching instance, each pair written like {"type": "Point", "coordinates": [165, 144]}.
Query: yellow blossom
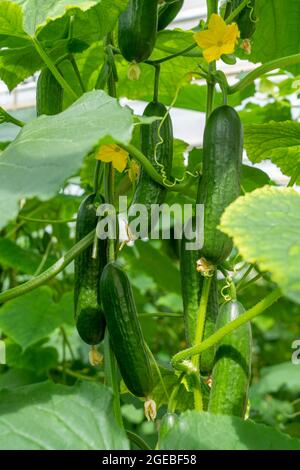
{"type": "Point", "coordinates": [113, 153]}
{"type": "Point", "coordinates": [218, 39]}
{"type": "Point", "coordinates": [133, 171]}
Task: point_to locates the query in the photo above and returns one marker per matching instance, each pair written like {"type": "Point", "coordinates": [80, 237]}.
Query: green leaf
{"type": "Point", "coordinates": [50, 149]}
{"type": "Point", "coordinates": [204, 431]}
{"type": "Point", "coordinates": [38, 359]}
{"type": "Point", "coordinates": [278, 141]}
{"type": "Point", "coordinates": [172, 41]}
{"type": "Point", "coordinates": [277, 30]}
{"type": "Point", "coordinates": [81, 416]}
{"type": "Point", "coordinates": [265, 226]}
{"type": "Point", "coordinates": [32, 317]}
{"type": "Point", "coordinates": [12, 255]}
{"type": "Point", "coordinates": [38, 12]}
{"type": "Point", "coordinates": [253, 178]}
{"type": "Point", "coordinates": [283, 377]}
{"type": "Point", "coordinates": [11, 24]}
{"type": "Point", "coordinates": [276, 111]}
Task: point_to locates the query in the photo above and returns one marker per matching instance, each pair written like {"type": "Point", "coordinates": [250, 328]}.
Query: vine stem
{"type": "Point", "coordinates": [225, 330]}
{"type": "Point", "coordinates": [51, 272]}
{"type": "Point", "coordinates": [143, 160]}
{"type": "Point", "coordinates": [261, 70]}
{"type": "Point", "coordinates": [10, 119]}
{"type": "Point", "coordinates": [137, 440]}
{"type": "Point", "coordinates": [236, 12]}
{"type": "Point", "coordinates": [201, 317]}
{"type": "Point", "coordinates": [173, 56]}
{"type": "Point", "coordinates": [51, 66]}
{"type": "Point", "coordinates": [173, 397]}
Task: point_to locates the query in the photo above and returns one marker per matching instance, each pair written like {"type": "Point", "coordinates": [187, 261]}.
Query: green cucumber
{"type": "Point", "coordinates": [125, 331]}
{"type": "Point", "coordinates": [232, 368]}
{"type": "Point", "coordinates": [167, 13]}
{"type": "Point", "coordinates": [137, 30]}
{"type": "Point", "coordinates": [147, 191]}
{"type": "Point", "coordinates": [89, 317]}
{"type": "Point", "coordinates": [49, 94]}
{"type": "Point", "coordinates": [191, 284]}
{"type": "Point", "coordinates": [219, 185]}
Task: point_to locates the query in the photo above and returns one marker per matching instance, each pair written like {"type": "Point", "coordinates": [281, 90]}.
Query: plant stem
{"type": "Point", "coordinates": [172, 56]}
{"type": "Point", "coordinates": [156, 83]}
{"type": "Point", "coordinates": [160, 315]}
{"type": "Point", "coordinates": [212, 7]}
{"type": "Point", "coordinates": [46, 221]}
{"type": "Point", "coordinates": [6, 117]}
{"type": "Point", "coordinates": [172, 400]}
{"type": "Point", "coordinates": [201, 317]}
{"type": "Point", "coordinates": [51, 272]}
{"type": "Point", "coordinates": [244, 277]}
{"type": "Point", "coordinates": [51, 66]}
{"type": "Point", "coordinates": [237, 11]}
{"type": "Point", "coordinates": [141, 158]}
{"type": "Point", "coordinates": [261, 70]}
{"type": "Point", "coordinates": [44, 258]}
{"type": "Point", "coordinates": [251, 281]}
{"type": "Point", "coordinates": [225, 330]}
{"type": "Point", "coordinates": [77, 73]}
{"type": "Point", "coordinates": [137, 440]}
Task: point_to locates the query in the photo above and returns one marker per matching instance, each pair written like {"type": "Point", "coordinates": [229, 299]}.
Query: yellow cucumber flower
{"type": "Point", "coordinates": [218, 39]}
{"type": "Point", "coordinates": [111, 153]}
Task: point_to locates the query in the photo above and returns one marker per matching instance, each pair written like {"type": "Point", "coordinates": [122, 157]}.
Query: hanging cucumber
{"type": "Point", "coordinates": [232, 368]}
{"type": "Point", "coordinates": [125, 331]}
{"type": "Point", "coordinates": [49, 94]}
{"type": "Point", "coordinates": [167, 13]}
{"type": "Point", "coordinates": [89, 317]}
{"type": "Point", "coordinates": [220, 182]}
{"type": "Point", "coordinates": [157, 145]}
{"type": "Point", "coordinates": [137, 30]}
{"type": "Point", "coordinates": [192, 282]}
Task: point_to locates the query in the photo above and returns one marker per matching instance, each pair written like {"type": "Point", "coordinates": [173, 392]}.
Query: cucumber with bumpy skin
{"type": "Point", "coordinates": [137, 30]}
{"type": "Point", "coordinates": [157, 145]}
{"type": "Point", "coordinates": [220, 182]}
{"type": "Point", "coordinates": [232, 368]}
{"type": "Point", "coordinates": [125, 331]}
{"type": "Point", "coordinates": [49, 94]}
{"type": "Point", "coordinates": [89, 317]}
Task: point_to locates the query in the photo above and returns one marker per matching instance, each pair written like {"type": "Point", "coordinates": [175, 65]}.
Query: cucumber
{"type": "Point", "coordinates": [89, 317]}
{"type": "Point", "coordinates": [219, 185]}
{"type": "Point", "coordinates": [125, 331]}
{"type": "Point", "coordinates": [191, 284]}
{"type": "Point", "coordinates": [167, 13]}
{"type": "Point", "coordinates": [232, 368]}
{"type": "Point", "coordinates": [137, 30]}
{"type": "Point", "coordinates": [147, 191]}
{"type": "Point", "coordinates": [49, 94]}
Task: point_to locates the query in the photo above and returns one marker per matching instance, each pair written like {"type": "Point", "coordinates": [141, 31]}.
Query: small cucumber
{"type": "Point", "coordinates": [220, 182]}
{"type": "Point", "coordinates": [137, 30]}
{"type": "Point", "coordinates": [49, 94]}
{"type": "Point", "coordinates": [167, 13]}
{"type": "Point", "coordinates": [89, 317]}
{"type": "Point", "coordinates": [147, 190]}
{"type": "Point", "coordinates": [125, 331]}
{"type": "Point", "coordinates": [232, 368]}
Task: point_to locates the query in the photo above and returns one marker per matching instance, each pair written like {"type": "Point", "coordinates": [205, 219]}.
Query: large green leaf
{"type": "Point", "coordinates": [278, 141]}
{"type": "Point", "coordinates": [265, 226]}
{"type": "Point", "coordinates": [277, 30]}
{"type": "Point", "coordinates": [24, 260]}
{"type": "Point", "coordinates": [55, 417]}
{"type": "Point", "coordinates": [283, 377]}
{"type": "Point", "coordinates": [38, 12]}
{"type": "Point", "coordinates": [204, 431]}
{"type": "Point", "coordinates": [11, 24]}
{"type": "Point", "coordinates": [50, 149]}
{"type": "Point", "coordinates": [32, 317]}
